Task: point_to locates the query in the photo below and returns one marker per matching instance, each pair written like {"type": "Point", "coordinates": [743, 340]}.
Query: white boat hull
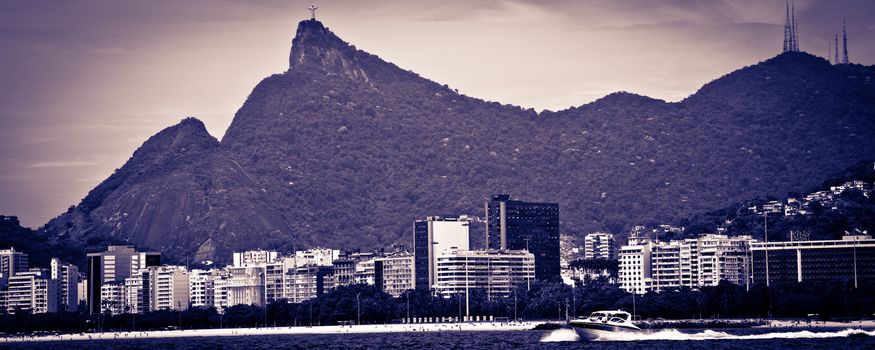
{"type": "Point", "coordinates": [596, 331]}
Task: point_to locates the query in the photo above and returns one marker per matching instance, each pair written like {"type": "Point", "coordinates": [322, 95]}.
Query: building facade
{"type": "Point", "coordinates": [599, 245]}
{"type": "Point", "coordinates": [32, 291]}
{"type": "Point", "coordinates": [168, 288]}
{"type": "Point", "coordinates": [67, 276]}
{"type": "Point", "coordinates": [430, 237]}
{"type": "Point", "coordinates": [308, 282]}
{"type": "Point", "coordinates": [517, 225]}
{"type": "Point", "coordinates": [852, 258]}
{"type": "Point", "coordinates": [246, 286]}
{"type": "Point", "coordinates": [11, 261]}
{"type": "Point", "coordinates": [201, 288]}
{"type": "Point", "coordinates": [344, 270]}
{"type": "Point", "coordinates": [645, 265]}
{"type": "Point", "coordinates": [112, 298]}
{"type": "Point", "coordinates": [397, 274]}
{"type": "Point", "coordinates": [497, 272]}
{"type": "Point", "coordinates": [113, 266]}
{"type": "Point", "coordinates": [254, 257]}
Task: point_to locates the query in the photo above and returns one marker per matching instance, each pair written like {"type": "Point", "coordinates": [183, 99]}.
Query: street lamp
{"type": "Point", "coordinates": [358, 308]}
{"type": "Point", "coordinates": [515, 319]}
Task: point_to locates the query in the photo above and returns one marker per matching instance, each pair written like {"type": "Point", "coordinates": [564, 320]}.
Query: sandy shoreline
{"type": "Point", "coordinates": [818, 324]}
{"type": "Point", "coordinates": [235, 332]}
{"type": "Point", "coordinates": [388, 328]}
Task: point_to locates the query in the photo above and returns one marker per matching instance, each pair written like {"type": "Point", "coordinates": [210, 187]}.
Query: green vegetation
{"type": "Point", "coordinates": [322, 156]}
{"type": "Point", "coordinates": [543, 301]}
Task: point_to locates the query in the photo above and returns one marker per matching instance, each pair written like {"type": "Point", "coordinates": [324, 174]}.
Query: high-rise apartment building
{"type": "Point", "coordinates": [11, 261]}
{"type": "Point", "coordinates": [518, 225]}
{"type": "Point", "coordinates": [599, 245]}
{"type": "Point", "coordinates": [430, 237]}
{"type": "Point", "coordinates": [67, 276]}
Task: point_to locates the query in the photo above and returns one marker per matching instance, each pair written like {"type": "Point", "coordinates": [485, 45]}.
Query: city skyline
{"type": "Point", "coordinates": [89, 82]}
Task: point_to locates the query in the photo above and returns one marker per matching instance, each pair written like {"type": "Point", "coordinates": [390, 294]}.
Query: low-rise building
{"type": "Point", "coordinates": [496, 272]}
{"type": "Point", "coordinates": [397, 274]}
{"type": "Point", "coordinates": [851, 258]}
{"type": "Point", "coordinates": [254, 257]}
{"type": "Point", "coordinates": [32, 291]}
{"type": "Point", "coordinates": [112, 298]}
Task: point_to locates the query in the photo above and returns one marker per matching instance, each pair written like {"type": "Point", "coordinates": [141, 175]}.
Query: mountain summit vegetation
{"type": "Point", "coordinates": [346, 150]}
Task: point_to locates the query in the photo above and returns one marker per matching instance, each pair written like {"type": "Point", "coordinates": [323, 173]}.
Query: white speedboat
{"type": "Point", "coordinates": [602, 323]}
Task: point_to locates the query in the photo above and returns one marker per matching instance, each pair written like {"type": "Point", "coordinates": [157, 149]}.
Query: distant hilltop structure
{"type": "Point", "coordinates": [791, 35]}
{"type": "Point", "coordinates": [834, 55]}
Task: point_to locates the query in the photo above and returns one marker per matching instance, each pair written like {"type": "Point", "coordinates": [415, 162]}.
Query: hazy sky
{"type": "Point", "coordinates": [84, 83]}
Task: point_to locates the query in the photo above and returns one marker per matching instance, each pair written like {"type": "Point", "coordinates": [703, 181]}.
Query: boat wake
{"type": "Point", "coordinates": [560, 335]}
{"type": "Point", "coordinates": [674, 334]}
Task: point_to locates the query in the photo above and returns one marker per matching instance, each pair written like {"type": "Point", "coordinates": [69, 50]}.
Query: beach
{"type": "Point", "coordinates": [234, 332]}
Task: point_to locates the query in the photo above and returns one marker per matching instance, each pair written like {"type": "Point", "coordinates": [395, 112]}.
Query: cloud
{"type": "Point", "coordinates": [108, 51]}
{"type": "Point", "coordinates": [61, 164]}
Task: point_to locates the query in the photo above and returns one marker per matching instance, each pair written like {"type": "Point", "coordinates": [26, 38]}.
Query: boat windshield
{"type": "Point", "coordinates": [597, 315]}
{"type": "Point", "coordinates": [621, 316]}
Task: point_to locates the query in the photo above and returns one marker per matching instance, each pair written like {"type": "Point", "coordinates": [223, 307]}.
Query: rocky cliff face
{"type": "Point", "coordinates": [346, 150]}
{"type": "Point", "coordinates": [180, 193]}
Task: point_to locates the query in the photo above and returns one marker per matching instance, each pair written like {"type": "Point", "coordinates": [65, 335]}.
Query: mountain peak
{"type": "Point", "coordinates": [317, 48]}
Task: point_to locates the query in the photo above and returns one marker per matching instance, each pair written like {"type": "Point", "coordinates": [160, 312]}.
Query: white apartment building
{"type": "Point", "coordinates": [246, 286]}
{"type": "Point", "coordinates": [220, 289]}
{"type": "Point", "coordinates": [112, 298]}
{"type": "Point", "coordinates": [168, 288]}
{"type": "Point", "coordinates": [254, 257]}
{"type": "Point", "coordinates": [599, 245]}
{"type": "Point", "coordinates": [635, 267]}
{"type": "Point", "coordinates": [316, 257]}
{"type": "Point", "coordinates": [136, 298]}
{"type": "Point", "coordinates": [696, 262]}
{"type": "Point", "coordinates": [201, 288]}
{"type": "Point", "coordinates": [496, 272]}
{"type": "Point", "coordinates": [33, 291]}
{"type": "Point", "coordinates": [397, 274]}
{"type": "Point", "coordinates": [365, 272]}
{"type": "Point", "coordinates": [67, 276]}
{"type": "Point", "coordinates": [307, 282]}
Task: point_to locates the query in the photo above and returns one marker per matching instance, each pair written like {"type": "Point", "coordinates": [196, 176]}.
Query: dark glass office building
{"type": "Point", "coordinates": [850, 259]}
{"type": "Point", "coordinates": [113, 266]}
{"type": "Point", "coordinates": [421, 258]}
{"type": "Point", "coordinates": [518, 225]}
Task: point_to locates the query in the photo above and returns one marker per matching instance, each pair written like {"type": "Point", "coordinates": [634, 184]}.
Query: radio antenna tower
{"type": "Point", "coordinates": [844, 43]}
{"type": "Point", "coordinates": [795, 28]}
{"type": "Point", "coordinates": [829, 50]}
{"type": "Point", "coordinates": [788, 34]}
{"type": "Point", "coordinates": [837, 50]}
{"type": "Point", "coordinates": [791, 37]}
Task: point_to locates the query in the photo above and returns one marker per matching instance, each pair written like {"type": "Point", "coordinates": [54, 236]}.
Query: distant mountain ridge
{"type": "Point", "coordinates": [346, 150]}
